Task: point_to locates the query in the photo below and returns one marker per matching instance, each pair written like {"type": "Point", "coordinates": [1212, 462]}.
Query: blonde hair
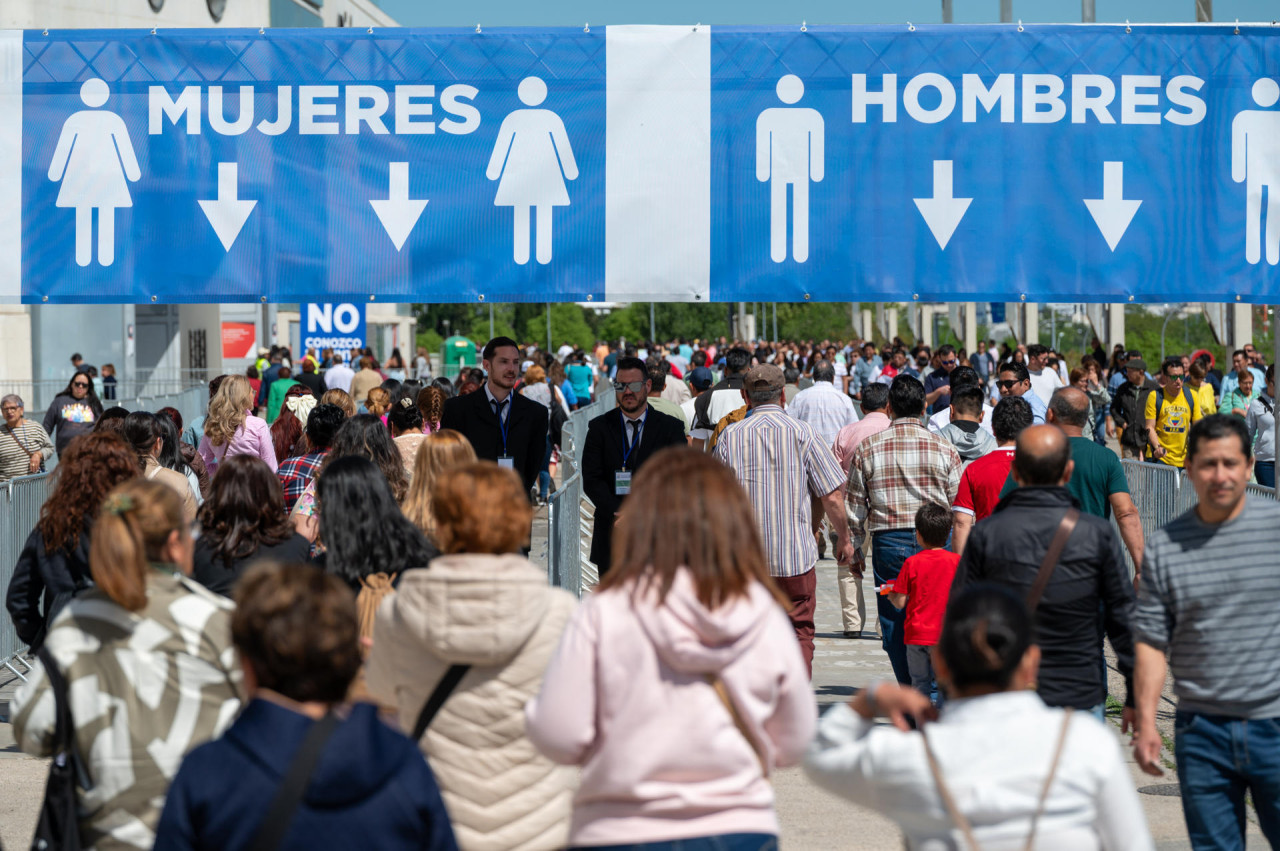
{"type": "Point", "coordinates": [378, 402]}
{"type": "Point", "coordinates": [481, 508]}
{"type": "Point", "coordinates": [134, 524]}
{"type": "Point", "coordinates": [228, 409]}
{"type": "Point", "coordinates": [445, 450]}
{"type": "Point", "coordinates": [342, 399]}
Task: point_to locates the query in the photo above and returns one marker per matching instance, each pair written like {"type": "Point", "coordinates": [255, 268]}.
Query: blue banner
{"type": "Point", "coordinates": [974, 163]}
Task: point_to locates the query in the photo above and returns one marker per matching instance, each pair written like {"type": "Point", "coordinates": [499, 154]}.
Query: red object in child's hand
{"type": "Point", "coordinates": [885, 589]}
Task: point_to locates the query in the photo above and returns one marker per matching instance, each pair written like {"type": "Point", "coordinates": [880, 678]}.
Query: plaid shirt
{"type": "Point", "coordinates": [780, 462]}
{"type": "Point", "coordinates": [895, 472]}
{"type": "Point", "coordinates": [296, 473]}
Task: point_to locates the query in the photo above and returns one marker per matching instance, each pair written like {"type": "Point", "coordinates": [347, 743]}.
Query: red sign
{"type": "Point", "coordinates": [238, 339]}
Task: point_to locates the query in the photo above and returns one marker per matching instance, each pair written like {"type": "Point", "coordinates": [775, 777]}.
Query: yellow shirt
{"type": "Point", "coordinates": [1173, 423]}
{"type": "Point", "coordinates": [1204, 398]}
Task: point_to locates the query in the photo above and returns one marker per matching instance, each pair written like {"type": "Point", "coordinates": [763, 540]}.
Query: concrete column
{"type": "Point", "coordinates": [1241, 325]}
{"type": "Point", "coordinates": [970, 327]}
{"type": "Point", "coordinates": [890, 323]}
{"type": "Point", "coordinates": [868, 326]}
{"type": "Point", "coordinates": [1115, 326]}
{"type": "Point", "coordinates": [1030, 324]}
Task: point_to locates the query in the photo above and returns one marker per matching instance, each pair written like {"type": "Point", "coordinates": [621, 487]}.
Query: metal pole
{"type": "Point", "coordinates": [775, 322]}
{"type": "Point", "coordinates": [948, 14]}
{"type": "Point", "coordinates": [653, 330]}
{"type": "Point", "coordinates": [491, 334]}
{"type": "Point", "coordinates": [1087, 12]}
{"type": "Point", "coordinates": [1006, 11]}
{"type": "Point", "coordinates": [549, 348]}
{"type": "Point", "coordinates": [1204, 11]}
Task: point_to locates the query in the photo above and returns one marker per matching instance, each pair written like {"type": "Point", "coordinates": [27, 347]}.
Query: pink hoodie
{"type": "Point", "coordinates": [626, 697]}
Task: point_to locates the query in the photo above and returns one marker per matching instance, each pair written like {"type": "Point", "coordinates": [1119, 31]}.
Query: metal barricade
{"type": "Point", "coordinates": [568, 512]}
{"type": "Point", "coordinates": [20, 502]}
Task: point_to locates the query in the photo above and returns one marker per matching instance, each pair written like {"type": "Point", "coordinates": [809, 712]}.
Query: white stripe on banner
{"type": "Point", "coordinates": [11, 166]}
{"type": "Point", "coordinates": [658, 163]}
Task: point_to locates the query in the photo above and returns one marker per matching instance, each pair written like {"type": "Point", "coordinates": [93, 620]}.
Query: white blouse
{"type": "Point", "coordinates": [994, 752]}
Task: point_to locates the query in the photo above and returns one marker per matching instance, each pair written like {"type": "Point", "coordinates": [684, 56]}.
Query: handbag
{"type": "Point", "coordinates": [953, 810]}
{"type": "Point", "coordinates": [58, 826]}
{"type": "Point", "coordinates": [558, 418]}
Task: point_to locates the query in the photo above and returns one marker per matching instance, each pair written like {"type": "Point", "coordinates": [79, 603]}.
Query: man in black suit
{"type": "Point", "coordinates": [617, 444]}
{"type": "Point", "coordinates": [502, 425]}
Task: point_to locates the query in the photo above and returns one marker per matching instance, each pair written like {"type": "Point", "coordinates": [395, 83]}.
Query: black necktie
{"type": "Point", "coordinates": [499, 407]}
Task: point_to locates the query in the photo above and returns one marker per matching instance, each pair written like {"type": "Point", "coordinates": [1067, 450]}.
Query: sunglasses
{"type": "Point", "coordinates": [951, 362]}
{"type": "Point", "coordinates": [79, 384]}
{"type": "Point", "coordinates": [633, 386]}
{"type": "Point", "coordinates": [1007, 383]}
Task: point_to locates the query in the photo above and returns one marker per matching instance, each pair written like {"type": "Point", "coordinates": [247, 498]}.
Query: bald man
{"type": "Point", "coordinates": [1088, 587]}
{"type": "Point", "coordinates": [1097, 479]}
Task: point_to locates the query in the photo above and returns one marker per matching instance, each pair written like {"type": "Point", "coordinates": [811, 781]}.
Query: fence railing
{"type": "Point", "coordinates": [567, 509]}
{"type": "Point", "coordinates": [20, 503]}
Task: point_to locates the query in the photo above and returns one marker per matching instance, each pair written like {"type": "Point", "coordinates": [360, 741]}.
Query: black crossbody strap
{"type": "Point", "coordinates": [63, 730]}
{"type": "Point", "coordinates": [275, 826]}
{"type": "Point", "coordinates": [444, 688]}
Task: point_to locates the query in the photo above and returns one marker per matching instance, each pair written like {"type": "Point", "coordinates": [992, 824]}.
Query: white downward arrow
{"type": "Point", "coordinates": [943, 212]}
{"type": "Point", "coordinates": [1111, 212]}
{"type": "Point", "coordinates": [398, 214]}
{"type": "Point", "coordinates": [227, 213]}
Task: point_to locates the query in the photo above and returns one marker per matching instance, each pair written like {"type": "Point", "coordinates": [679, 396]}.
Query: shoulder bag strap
{"type": "Point", "coordinates": [1048, 781]}
{"type": "Point", "coordinates": [723, 693]}
{"type": "Point", "coordinates": [948, 802]}
{"type": "Point", "coordinates": [275, 826]}
{"type": "Point", "coordinates": [1056, 546]}
{"type": "Point", "coordinates": [444, 688]}
{"type": "Point", "coordinates": [62, 730]}
{"type": "Point", "coordinates": [21, 445]}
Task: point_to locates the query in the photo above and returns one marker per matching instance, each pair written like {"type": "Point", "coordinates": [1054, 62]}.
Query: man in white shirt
{"type": "Point", "coordinates": [700, 380]}
{"type": "Point", "coordinates": [823, 406]}
{"type": "Point", "coordinates": [961, 376]}
{"type": "Point", "coordinates": [1044, 380]}
{"type": "Point", "coordinates": [338, 376]}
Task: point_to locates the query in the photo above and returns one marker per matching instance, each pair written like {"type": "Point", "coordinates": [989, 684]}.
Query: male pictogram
{"type": "Point", "coordinates": [1255, 161]}
{"type": "Point", "coordinates": [789, 152]}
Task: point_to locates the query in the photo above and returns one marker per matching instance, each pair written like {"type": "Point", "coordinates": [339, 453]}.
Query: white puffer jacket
{"type": "Point", "coordinates": [497, 614]}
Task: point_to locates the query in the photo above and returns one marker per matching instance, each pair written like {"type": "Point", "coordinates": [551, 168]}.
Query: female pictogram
{"type": "Point", "coordinates": [533, 158]}
{"type": "Point", "coordinates": [93, 158]}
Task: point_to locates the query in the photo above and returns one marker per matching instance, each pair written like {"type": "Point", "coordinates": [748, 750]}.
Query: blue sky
{"type": "Point", "coordinates": [437, 13]}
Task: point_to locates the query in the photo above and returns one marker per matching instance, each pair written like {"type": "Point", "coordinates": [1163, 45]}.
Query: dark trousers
{"type": "Point", "coordinates": [1265, 471]}
{"type": "Point", "coordinates": [888, 551]}
{"type": "Point", "coordinates": [802, 590]}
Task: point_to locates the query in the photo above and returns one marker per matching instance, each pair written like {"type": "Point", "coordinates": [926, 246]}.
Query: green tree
{"type": "Point", "coordinates": [568, 325]}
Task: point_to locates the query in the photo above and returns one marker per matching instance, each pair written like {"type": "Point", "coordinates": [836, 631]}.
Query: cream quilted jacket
{"type": "Point", "coordinates": [497, 614]}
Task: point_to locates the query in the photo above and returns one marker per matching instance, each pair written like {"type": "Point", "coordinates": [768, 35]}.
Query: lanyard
{"type": "Point", "coordinates": [635, 439]}
{"type": "Point", "coordinates": [502, 421]}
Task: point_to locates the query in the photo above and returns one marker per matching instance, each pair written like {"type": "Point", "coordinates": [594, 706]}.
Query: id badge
{"type": "Point", "coordinates": [507, 462]}
{"type": "Point", "coordinates": [622, 482]}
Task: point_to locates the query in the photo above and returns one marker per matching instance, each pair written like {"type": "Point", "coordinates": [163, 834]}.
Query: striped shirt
{"type": "Point", "coordinates": [781, 462]}
{"type": "Point", "coordinates": [895, 472]}
{"type": "Point", "coordinates": [1208, 598]}
{"type": "Point", "coordinates": [16, 446]}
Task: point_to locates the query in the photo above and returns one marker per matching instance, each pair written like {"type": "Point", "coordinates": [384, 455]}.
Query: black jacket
{"type": "Point", "coordinates": [312, 381]}
{"type": "Point", "coordinates": [219, 577]}
{"type": "Point", "coordinates": [39, 577]}
{"type": "Point", "coordinates": [1089, 592]}
{"type": "Point", "coordinates": [526, 430]}
{"type": "Point", "coordinates": [1129, 412]}
{"type": "Point", "coordinates": [602, 457]}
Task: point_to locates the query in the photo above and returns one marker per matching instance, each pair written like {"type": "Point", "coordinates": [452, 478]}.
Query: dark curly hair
{"type": "Point", "coordinates": [244, 511]}
{"type": "Point", "coordinates": [90, 467]}
{"type": "Point", "coordinates": [365, 435]}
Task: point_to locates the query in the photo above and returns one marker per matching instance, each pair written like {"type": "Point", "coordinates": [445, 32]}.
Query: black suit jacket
{"type": "Point", "coordinates": [526, 430]}
{"type": "Point", "coordinates": [602, 457]}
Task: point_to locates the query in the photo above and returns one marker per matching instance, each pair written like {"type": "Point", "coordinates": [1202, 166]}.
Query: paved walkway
{"type": "Point", "coordinates": [812, 820]}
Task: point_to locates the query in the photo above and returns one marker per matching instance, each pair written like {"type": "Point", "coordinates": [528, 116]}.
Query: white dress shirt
{"type": "Point", "coordinates": [994, 752]}
{"type": "Point", "coordinates": [825, 408]}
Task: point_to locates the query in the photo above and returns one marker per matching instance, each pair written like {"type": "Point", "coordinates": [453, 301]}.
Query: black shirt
{"type": "Point", "coordinates": [214, 573]}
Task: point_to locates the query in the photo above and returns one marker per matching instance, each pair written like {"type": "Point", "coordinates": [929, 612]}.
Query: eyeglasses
{"type": "Point", "coordinates": [633, 386]}
{"type": "Point", "coordinates": [7, 409]}
{"type": "Point", "coordinates": [951, 362]}
{"type": "Point", "coordinates": [1007, 384]}
{"type": "Point", "coordinates": [79, 384]}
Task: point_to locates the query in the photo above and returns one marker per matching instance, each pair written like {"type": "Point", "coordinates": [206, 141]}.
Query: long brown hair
{"type": "Point", "coordinates": [133, 526]}
{"type": "Point", "coordinates": [711, 530]}
{"type": "Point", "coordinates": [89, 468]}
{"type": "Point", "coordinates": [244, 511]}
{"type": "Point", "coordinates": [445, 450]}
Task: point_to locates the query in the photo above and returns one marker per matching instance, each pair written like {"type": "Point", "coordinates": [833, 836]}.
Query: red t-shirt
{"type": "Point", "coordinates": [981, 483]}
{"type": "Point", "coordinates": [926, 580]}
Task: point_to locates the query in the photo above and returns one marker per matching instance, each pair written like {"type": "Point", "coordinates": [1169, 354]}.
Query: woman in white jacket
{"type": "Point", "coordinates": [1000, 770]}
{"type": "Point", "coordinates": [679, 684]}
{"type": "Point", "coordinates": [483, 605]}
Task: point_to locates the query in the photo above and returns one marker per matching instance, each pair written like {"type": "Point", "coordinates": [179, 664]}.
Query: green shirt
{"type": "Point", "coordinates": [275, 397]}
{"type": "Point", "coordinates": [1098, 474]}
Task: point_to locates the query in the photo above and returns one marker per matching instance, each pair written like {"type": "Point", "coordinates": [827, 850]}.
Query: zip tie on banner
{"type": "Point", "coordinates": [804, 26]}
{"type": "Point", "coordinates": [586, 28]}
{"type": "Point", "coordinates": [911, 27]}
{"type": "Point", "coordinates": [1020, 28]}
{"type": "Point", "coordinates": [1127, 28]}
{"type": "Point", "coordinates": [477, 28]}
{"type": "Point", "coordinates": [695, 26]}
{"type": "Point", "coordinates": [1237, 26]}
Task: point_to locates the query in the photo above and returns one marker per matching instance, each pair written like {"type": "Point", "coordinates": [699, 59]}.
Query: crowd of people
{"type": "Point", "coordinates": [308, 618]}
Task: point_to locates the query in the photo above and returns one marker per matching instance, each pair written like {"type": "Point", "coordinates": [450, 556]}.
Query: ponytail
{"type": "Point", "coordinates": [133, 525]}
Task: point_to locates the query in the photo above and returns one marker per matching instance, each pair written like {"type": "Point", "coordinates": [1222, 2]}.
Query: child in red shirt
{"type": "Point", "coordinates": [923, 587]}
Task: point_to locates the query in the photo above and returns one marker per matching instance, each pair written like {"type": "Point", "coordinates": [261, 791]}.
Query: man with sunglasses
{"type": "Point", "coordinates": [937, 384]}
{"type": "Point", "coordinates": [1014, 380]}
{"type": "Point", "coordinates": [1170, 413]}
{"type": "Point", "coordinates": [617, 445]}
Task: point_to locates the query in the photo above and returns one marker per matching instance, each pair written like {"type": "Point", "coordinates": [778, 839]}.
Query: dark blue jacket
{"type": "Point", "coordinates": [371, 789]}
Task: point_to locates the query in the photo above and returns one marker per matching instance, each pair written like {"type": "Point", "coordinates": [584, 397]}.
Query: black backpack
{"type": "Point", "coordinates": [1186, 394]}
{"type": "Point", "coordinates": [58, 826]}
